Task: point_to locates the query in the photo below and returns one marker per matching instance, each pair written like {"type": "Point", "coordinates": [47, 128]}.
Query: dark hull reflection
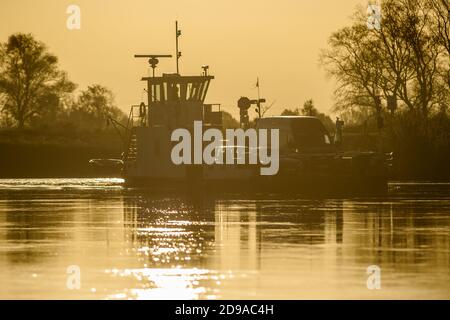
{"type": "Point", "coordinates": [314, 186]}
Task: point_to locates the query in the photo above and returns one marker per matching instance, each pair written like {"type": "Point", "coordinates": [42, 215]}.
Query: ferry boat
{"type": "Point", "coordinates": [309, 160]}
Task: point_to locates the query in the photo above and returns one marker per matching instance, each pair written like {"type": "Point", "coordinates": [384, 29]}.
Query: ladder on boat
{"type": "Point", "coordinates": [137, 118]}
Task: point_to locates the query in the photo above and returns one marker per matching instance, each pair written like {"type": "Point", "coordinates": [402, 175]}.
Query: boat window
{"type": "Point", "coordinates": [163, 92]}
{"type": "Point", "coordinates": [173, 92]}
{"type": "Point", "coordinates": [200, 90]}
{"type": "Point", "coordinates": [205, 90]}
{"type": "Point", "coordinates": [188, 92]}
{"type": "Point", "coordinates": [309, 132]}
{"type": "Point", "coordinates": [156, 92]}
{"type": "Point", "coordinates": [179, 91]}
{"type": "Point", "coordinates": [177, 87]}
{"type": "Point", "coordinates": [183, 90]}
{"type": "Point", "coordinates": [193, 92]}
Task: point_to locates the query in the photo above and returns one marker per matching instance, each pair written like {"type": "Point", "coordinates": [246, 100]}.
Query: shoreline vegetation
{"type": "Point", "coordinates": [392, 92]}
{"type": "Point", "coordinates": [37, 153]}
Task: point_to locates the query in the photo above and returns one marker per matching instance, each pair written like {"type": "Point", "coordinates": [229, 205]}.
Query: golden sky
{"type": "Point", "coordinates": [279, 41]}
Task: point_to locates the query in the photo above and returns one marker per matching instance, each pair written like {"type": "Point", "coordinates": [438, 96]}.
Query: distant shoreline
{"type": "Point", "coordinates": [19, 161]}
{"type": "Point", "coordinates": [44, 154]}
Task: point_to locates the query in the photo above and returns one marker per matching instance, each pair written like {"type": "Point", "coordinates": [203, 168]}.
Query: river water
{"type": "Point", "coordinates": [95, 239]}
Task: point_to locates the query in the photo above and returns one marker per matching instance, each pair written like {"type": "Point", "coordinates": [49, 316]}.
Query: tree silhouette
{"type": "Point", "coordinates": [30, 80]}
{"type": "Point", "coordinates": [403, 60]}
{"type": "Point", "coordinates": [309, 109]}
{"type": "Point", "coordinates": [94, 106]}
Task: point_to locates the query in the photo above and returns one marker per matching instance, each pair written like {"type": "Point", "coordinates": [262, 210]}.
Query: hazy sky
{"type": "Point", "coordinates": [279, 41]}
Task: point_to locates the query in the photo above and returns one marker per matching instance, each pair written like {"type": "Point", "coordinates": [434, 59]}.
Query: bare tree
{"type": "Point", "coordinates": [401, 59]}
{"type": "Point", "coordinates": [441, 28]}
{"type": "Point", "coordinates": [354, 61]}
{"type": "Point", "coordinates": [426, 53]}
{"type": "Point", "coordinates": [395, 54]}
{"type": "Point", "coordinates": [441, 11]}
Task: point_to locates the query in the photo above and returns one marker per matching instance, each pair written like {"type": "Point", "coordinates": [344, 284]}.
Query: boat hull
{"type": "Point", "coordinates": [315, 174]}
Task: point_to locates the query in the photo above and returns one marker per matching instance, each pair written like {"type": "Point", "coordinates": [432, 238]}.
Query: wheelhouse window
{"type": "Point", "coordinates": [172, 89]}
{"type": "Point", "coordinates": [310, 132]}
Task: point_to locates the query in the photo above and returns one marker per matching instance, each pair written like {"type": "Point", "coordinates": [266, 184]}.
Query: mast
{"type": "Point", "coordinates": [258, 103]}
{"type": "Point", "coordinates": [177, 53]}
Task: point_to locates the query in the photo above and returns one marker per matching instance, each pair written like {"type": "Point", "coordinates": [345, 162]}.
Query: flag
{"type": "Point", "coordinates": [257, 83]}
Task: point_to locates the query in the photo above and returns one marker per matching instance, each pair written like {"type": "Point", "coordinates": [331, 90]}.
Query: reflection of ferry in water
{"type": "Point", "coordinates": [309, 160]}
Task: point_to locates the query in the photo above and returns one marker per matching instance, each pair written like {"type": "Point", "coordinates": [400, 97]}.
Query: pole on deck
{"type": "Point", "coordinates": [178, 53]}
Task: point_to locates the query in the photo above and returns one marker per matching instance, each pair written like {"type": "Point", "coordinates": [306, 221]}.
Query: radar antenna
{"type": "Point", "coordinates": [153, 59]}
{"type": "Point", "coordinates": [244, 104]}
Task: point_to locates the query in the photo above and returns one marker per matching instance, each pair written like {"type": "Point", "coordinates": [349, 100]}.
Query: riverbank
{"type": "Point", "coordinates": [54, 153]}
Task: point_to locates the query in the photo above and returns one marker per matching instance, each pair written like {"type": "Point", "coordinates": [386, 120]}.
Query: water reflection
{"type": "Point", "coordinates": [138, 244]}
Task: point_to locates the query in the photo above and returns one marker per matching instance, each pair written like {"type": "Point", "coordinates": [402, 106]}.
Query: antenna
{"type": "Point", "coordinates": [178, 53]}
{"type": "Point", "coordinates": [153, 61]}
{"type": "Point", "coordinates": [258, 101]}
{"type": "Point", "coordinates": [205, 70]}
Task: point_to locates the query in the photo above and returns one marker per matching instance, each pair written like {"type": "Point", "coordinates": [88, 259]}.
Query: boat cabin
{"type": "Point", "coordinates": [177, 101]}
